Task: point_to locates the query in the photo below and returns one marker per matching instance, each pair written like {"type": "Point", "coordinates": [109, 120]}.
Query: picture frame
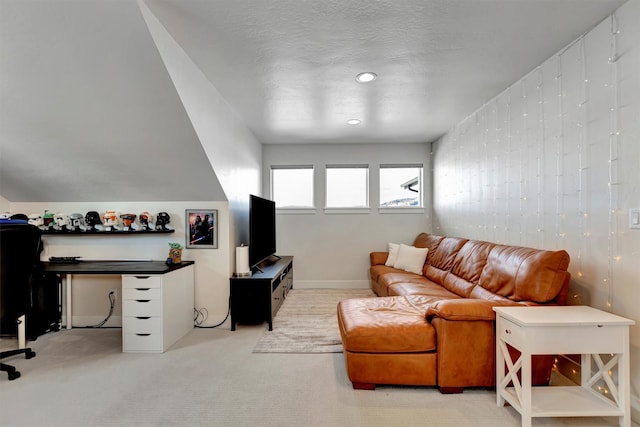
{"type": "Point", "coordinates": [201, 228]}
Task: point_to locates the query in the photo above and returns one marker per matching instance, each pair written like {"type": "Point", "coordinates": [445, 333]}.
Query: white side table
{"type": "Point", "coordinates": [564, 330]}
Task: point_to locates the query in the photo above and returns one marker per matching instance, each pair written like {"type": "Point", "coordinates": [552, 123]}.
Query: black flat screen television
{"type": "Point", "coordinates": [262, 230]}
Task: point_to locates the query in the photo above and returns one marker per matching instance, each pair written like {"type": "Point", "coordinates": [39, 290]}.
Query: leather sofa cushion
{"type": "Point", "coordinates": [525, 274]}
{"type": "Point", "coordinates": [471, 259]}
{"type": "Point", "coordinates": [386, 325]}
{"type": "Point", "coordinates": [467, 267]}
{"type": "Point", "coordinates": [399, 276]}
{"type": "Point", "coordinates": [444, 255]}
{"type": "Point", "coordinates": [430, 241]}
{"type": "Point", "coordinates": [425, 287]}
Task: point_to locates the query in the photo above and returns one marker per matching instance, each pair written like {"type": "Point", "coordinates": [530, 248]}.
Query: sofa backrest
{"type": "Point", "coordinates": [441, 260]}
{"type": "Point", "coordinates": [467, 267]}
{"type": "Point", "coordinates": [479, 269]}
{"type": "Point", "coordinates": [525, 274]}
{"type": "Point", "coordinates": [430, 241]}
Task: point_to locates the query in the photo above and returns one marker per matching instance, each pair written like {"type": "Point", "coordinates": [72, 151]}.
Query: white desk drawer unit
{"type": "Point", "coordinates": [157, 310]}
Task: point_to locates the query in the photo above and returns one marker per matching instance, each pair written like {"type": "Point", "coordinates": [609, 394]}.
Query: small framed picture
{"type": "Point", "coordinates": [202, 228]}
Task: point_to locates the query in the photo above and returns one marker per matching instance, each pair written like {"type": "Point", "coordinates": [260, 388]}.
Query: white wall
{"type": "Point", "coordinates": [232, 149]}
{"type": "Point", "coordinates": [5, 205]}
{"type": "Point", "coordinates": [90, 303]}
{"type": "Point", "coordinates": [332, 250]}
{"type": "Point", "coordinates": [552, 162]}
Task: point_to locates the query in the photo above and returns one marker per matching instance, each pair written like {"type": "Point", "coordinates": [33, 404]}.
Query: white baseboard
{"type": "Point", "coordinates": [84, 321]}
{"type": "Point", "coordinates": [331, 284]}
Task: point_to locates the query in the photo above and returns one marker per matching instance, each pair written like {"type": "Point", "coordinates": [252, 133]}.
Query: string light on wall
{"type": "Point", "coordinates": [613, 156]}
{"type": "Point", "coordinates": [563, 116]}
{"type": "Point", "coordinates": [581, 128]}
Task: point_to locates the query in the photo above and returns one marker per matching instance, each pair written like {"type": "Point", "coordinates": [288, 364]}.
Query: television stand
{"type": "Point", "coordinates": [265, 262]}
{"type": "Point", "coordinates": [257, 298]}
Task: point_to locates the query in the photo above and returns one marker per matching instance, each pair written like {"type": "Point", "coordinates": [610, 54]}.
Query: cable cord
{"type": "Point", "coordinates": [112, 303]}
{"type": "Point", "coordinates": [204, 314]}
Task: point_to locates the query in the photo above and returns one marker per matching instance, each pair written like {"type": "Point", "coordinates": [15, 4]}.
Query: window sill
{"type": "Point", "coordinates": [347, 210]}
{"type": "Point", "coordinates": [296, 211]}
{"type": "Point", "coordinates": [401, 210]}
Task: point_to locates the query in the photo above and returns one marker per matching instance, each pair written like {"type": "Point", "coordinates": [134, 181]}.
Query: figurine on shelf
{"type": "Point", "coordinates": [111, 221]}
{"type": "Point", "coordinates": [48, 220]}
{"type": "Point", "coordinates": [146, 221]}
{"type": "Point", "coordinates": [76, 222]}
{"type": "Point", "coordinates": [93, 221]}
{"type": "Point", "coordinates": [36, 219]}
{"type": "Point", "coordinates": [162, 222]}
{"type": "Point", "coordinates": [60, 222]}
{"type": "Point", "coordinates": [129, 222]}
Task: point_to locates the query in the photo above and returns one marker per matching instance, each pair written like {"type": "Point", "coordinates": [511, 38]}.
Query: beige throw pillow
{"type": "Point", "coordinates": [392, 248]}
{"type": "Point", "coordinates": [411, 258]}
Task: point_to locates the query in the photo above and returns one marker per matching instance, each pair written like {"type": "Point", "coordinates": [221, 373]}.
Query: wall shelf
{"type": "Point", "coordinates": [104, 233]}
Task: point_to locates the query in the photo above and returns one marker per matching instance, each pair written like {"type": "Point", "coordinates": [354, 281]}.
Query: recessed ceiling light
{"type": "Point", "coordinates": [366, 77]}
{"type": "Point", "coordinates": [353, 122]}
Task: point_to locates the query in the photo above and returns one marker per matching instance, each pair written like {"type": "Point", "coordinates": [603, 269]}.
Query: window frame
{"type": "Point", "coordinates": [396, 209]}
{"type": "Point", "coordinates": [348, 209]}
{"type": "Point", "coordinates": [293, 208]}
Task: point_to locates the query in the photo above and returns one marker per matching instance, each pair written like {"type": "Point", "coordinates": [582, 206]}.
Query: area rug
{"type": "Point", "coordinates": [307, 322]}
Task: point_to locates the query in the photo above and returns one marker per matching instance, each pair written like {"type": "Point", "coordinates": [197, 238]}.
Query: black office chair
{"type": "Point", "coordinates": [20, 247]}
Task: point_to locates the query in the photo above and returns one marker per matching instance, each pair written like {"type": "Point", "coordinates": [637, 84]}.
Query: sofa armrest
{"type": "Point", "coordinates": [378, 258]}
{"type": "Point", "coordinates": [464, 309]}
{"type": "Point", "coordinates": [465, 333]}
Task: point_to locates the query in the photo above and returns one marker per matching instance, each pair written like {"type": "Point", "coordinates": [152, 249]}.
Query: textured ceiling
{"type": "Point", "coordinates": [288, 67]}
{"type": "Point", "coordinates": [88, 111]}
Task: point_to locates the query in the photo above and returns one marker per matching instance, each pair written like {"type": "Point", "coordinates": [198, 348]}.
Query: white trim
{"type": "Point", "coordinates": [401, 210]}
{"type": "Point", "coordinates": [296, 211]}
{"type": "Point", "coordinates": [347, 210]}
{"type": "Point", "coordinates": [331, 284]}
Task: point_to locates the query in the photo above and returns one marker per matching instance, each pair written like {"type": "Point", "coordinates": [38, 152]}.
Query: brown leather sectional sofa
{"type": "Point", "coordinates": [438, 328]}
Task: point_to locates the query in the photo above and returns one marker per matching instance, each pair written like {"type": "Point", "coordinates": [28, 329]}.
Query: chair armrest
{"type": "Point", "coordinates": [378, 258]}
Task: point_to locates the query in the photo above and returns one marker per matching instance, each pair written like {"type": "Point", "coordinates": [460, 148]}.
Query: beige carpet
{"type": "Point", "coordinates": [307, 322]}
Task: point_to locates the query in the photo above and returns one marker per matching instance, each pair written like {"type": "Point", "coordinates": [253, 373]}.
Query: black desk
{"type": "Point", "coordinates": [116, 268]}
{"type": "Point", "coordinates": [112, 267]}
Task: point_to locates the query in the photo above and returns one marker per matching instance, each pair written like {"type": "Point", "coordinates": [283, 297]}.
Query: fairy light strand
{"type": "Point", "coordinates": [613, 154]}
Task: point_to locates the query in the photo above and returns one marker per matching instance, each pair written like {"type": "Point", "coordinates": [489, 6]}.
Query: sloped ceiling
{"type": "Point", "coordinates": [88, 111]}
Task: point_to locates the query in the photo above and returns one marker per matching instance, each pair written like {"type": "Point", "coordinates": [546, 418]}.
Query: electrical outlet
{"type": "Point", "coordinates": [634, 218]}
{"type": "Point", "coordinates": [114, 292]}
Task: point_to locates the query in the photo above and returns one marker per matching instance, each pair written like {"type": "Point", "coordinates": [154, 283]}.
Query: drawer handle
{"type": "Point", "coordinates": [142, 289]}
{"type": "Point", "coordinates": [507, 331]}
{"type": "Point", "coordinates": [143, 317]}
{"type": "Point", "coordinates": [143, 335]}
{"type": "Point", "coordinates": [142, 277]}
{"type": "Point", "coordinates": [143, 300]}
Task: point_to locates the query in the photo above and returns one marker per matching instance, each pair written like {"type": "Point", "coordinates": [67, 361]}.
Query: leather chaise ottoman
{"type": "Point", "coordinates": [392, 331]}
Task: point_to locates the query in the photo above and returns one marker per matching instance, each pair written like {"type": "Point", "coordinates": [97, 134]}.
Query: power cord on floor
{"type": "Point", "coordinates": [202, 314]}
{"type": "Point", "coordinates": [112, 303]}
